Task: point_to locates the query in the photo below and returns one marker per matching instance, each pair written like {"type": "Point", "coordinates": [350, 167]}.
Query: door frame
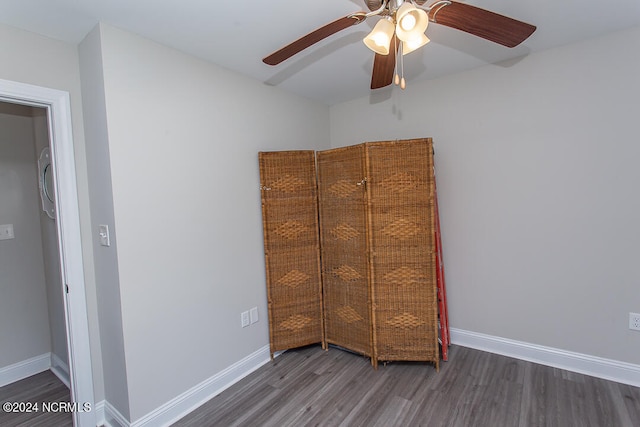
{"type": "Point", "coordinates": [58, 106]}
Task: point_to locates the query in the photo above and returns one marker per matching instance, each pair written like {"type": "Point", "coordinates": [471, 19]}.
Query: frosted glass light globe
{"type": "Point", "coordinates": [408, 22]}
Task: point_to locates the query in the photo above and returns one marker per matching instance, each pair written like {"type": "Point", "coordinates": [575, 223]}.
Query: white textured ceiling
{"type": "Point", "coordinates": [237, 35]}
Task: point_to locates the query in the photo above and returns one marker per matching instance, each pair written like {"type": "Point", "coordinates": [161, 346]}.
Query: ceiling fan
{"type": "Point", "coordinates": [401, 30]}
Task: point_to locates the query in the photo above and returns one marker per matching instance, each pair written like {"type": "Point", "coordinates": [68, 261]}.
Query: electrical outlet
{"type": "Point", "coordinates": [6, 231]}
{"type": "Point", "coordinates": [244, 319]}
{"type": "Point", "coordinates": [253, 314]}
{"type": "Point", "coordinates": [634, 321]}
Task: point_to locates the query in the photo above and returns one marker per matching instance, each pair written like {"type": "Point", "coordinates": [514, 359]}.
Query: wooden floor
{"type": "Point", "coordinates": [311, 387]}
{"type": "Point", "coordinates": [43, 387]}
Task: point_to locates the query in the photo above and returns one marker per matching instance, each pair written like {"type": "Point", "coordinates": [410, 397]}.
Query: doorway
{"type": "Point", "coordinates": [57, 108]}
{"type": "Point", "coordinates": [32, 311]}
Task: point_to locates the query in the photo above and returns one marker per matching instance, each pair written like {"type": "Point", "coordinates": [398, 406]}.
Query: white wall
{"type": "Point", "coordinates": [37, 60]}
{"type": "Point", "coordinates": [537, 176]}
{"type": "Point", "coordinates": [100, 196]}
{"type": "Point", "coordinates": [24, 318]}
{"type": "Point", "coordinates": [184, 137]}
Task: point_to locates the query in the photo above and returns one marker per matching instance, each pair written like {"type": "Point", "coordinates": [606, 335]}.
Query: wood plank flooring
{"type": "Point", "coordinates": [312, 387]}
{"type": "Point", "coordinates": [42, 387]}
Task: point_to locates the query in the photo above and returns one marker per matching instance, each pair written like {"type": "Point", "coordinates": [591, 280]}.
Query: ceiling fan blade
{"type": "Point", "coordinates": [482, 23]}
{"type": "Point", "coordinates": [383, 67]}
{"type": "Point", "coordinates": [314, 37]}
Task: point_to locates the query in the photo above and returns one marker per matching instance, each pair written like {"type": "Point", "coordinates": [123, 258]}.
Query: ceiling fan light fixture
{"type": "Point", "coordinates": [414, 44]}
{"type": "Point", "coordinates": [379, 39]}
{"type": "Point", "coordinates": [410, 22]}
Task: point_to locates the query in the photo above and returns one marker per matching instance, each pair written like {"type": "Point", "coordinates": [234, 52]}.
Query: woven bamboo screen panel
{"type": "Point", "coordinates": [400, 190]}
{"type": "Point", "coordinates": [292, 248]}
{"type": "Point", "coordinates": [342, 202]}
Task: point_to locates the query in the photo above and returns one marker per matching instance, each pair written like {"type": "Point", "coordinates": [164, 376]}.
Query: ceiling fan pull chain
{"type": "Point", "coordinates": [403, 84]}
{"type": "Point", "coordinates": [396, 79]}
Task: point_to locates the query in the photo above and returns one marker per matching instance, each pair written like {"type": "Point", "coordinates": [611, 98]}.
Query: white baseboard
{"type": "Point", "coordinates": [111, 417]}
{"type": "Point", "coordinates": [98, 408]}
{"type": "Point", "coordinates": [60, 369]}
{"type": "Point", "coordinates": [622, 372]}
{"type": "Point", "coordinates": [198, 395]}
{"type": "Point", "coordinates": [26, 368]}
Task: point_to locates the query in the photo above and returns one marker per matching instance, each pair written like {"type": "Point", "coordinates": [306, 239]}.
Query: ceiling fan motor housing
{"type": "Point", "coordinates": [393, 4]}
{"type": "Point", "coordinates": [373, 4]}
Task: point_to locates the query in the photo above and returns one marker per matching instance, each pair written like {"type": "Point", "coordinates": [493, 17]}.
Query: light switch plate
{"type": "Point", "coordinates": [6, 232]}
{"type": "Point", "coordinates": [244, 319]}
{"type": "Point", "coordinates": [103, 233]}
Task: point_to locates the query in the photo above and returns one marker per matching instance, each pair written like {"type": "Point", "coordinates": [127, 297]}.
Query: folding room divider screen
{"type": "Point", "coordinates": [374, 240]}
{"type": "Point", "coordinates": [292, 248]}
